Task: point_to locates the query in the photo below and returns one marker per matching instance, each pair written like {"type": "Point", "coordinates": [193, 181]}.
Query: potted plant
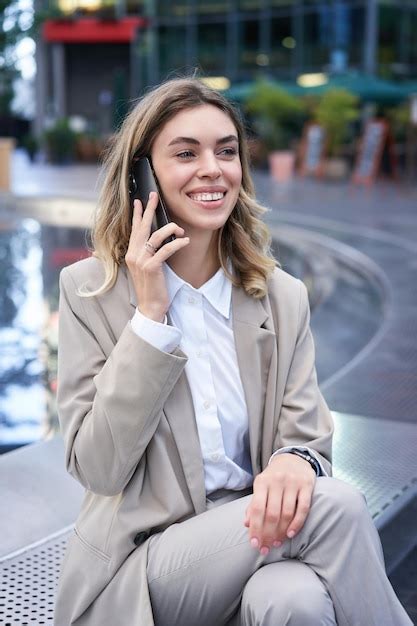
{"type": "Point", "coordinates": [335, 112]}
{"type": "Point", "coordinates": [277, 119]}
{"type": "Point", "coordinates": [31, 145]}
{"type": "Point", "coordinates": [60, 142]}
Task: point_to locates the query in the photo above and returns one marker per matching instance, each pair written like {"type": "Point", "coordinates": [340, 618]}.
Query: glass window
{"type": "Point", "coordinates": [135, 7]}
{"type": "Point", "coordinates": [281, 3]}
{"type": "Point", "coordinates": [333, 35]}
{"type": "Point", "coordinates": [357, 36]}
{"type": "Point", "coordinates": [248, 44]}
{"type": "Point", "coordinates": [212, 47]}
{"type": "Point", "coordinates": [389, 38]}
{"type": "Point", "coordinates": [166, 8]}
{"type": "Point", "coordinates": [321, 2]}
{"type": "Point", "coordinates": [283, 44]}
{"type": "Point", "coordinates": [413, 44]}
{"type": "Point", "coordinates": [317, 29]}
{"type": "Point", "coordinates": [249, 5]}
{"type": "Point", "coordinates": [140, 64]}
{"type": "Point", "coordinates": [207, 7]}
{"type": "Point", "coordinates": [172, 49]}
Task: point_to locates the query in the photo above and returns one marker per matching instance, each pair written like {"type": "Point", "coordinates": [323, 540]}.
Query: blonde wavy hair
{"type": "Point", "coordinates": [244, 238]}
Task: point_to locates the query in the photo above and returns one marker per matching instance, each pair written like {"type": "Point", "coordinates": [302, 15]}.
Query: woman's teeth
{"type": "Point", "coordinates": [207, 197]}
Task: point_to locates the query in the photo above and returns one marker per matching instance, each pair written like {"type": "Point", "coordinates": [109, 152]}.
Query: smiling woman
{"type": "Point", "coordinates": [189, 404]}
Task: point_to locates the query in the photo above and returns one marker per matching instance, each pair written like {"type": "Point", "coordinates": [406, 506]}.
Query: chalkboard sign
{"type": "Point", "coordinates": [313, 149]}
{"type": "Point", "coordinates": [368, 160]}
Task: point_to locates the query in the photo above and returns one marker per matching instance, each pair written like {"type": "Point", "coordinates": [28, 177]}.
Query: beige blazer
{"type": "Point", "coordinates": [131, 440]}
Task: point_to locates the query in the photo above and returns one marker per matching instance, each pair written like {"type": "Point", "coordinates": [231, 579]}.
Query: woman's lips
{"type": "Point", "coordinates": [208, 200]}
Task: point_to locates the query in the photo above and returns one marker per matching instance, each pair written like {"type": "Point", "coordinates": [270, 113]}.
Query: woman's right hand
{"type": "Point", "coordinates": [145, 267]}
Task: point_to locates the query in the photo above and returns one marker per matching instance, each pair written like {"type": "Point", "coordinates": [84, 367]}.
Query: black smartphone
{"type": "Point", "coordinates": [142, 181]}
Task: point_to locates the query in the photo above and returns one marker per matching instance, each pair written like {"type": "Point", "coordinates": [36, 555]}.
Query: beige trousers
{"type": "Point", "coordinates": [203, 572]}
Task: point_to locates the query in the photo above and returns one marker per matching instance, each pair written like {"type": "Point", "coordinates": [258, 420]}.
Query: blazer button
{"type": "Point", "coordinates": [141, 537]}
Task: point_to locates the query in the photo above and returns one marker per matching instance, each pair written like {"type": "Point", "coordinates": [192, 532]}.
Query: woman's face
{"type": "Point", "coordinates": [196, 160]}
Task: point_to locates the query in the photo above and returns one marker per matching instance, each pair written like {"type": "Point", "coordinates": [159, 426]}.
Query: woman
{"type": "Point", "coordinates": [190, 408]}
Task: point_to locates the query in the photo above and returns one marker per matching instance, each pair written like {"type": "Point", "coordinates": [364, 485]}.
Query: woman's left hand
{"type": "Point", "coordinates": [281, 501]}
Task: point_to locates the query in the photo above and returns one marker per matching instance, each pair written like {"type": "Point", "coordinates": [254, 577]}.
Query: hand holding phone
{"type": "Point", "coordinates": [142, 181]}
{"type": "Point", "coordinates": [150, 227]}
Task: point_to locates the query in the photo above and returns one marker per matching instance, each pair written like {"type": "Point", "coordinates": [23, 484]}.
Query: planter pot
{"type": "Point", "coordinates": [257, 152]}
{"type": "Point", "coordinates": [336, 168]}
{"type": "Point", "coordinates": [7, 146]}
{"type": "Point", "coordinates": [281, 165]}
{"type": "Point", "coordinates": [86, 149]}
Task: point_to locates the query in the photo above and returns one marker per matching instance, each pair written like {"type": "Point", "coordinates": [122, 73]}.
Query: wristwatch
{"type": "Point", "coordinates": [307, 457]}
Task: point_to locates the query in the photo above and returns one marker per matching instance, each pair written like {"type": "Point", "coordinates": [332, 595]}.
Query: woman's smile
{"type": "Point", "coordinates": [208, 197]}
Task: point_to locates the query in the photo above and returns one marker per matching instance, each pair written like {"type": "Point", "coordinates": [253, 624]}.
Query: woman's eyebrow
{"type": "Point", "coordinates": [195, 142]}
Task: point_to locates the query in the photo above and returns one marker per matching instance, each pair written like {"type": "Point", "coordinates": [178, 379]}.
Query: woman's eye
{"type": "Point", "coordinates": [186, 154]}
{"type": "Point", "coordinates": [229, 151]}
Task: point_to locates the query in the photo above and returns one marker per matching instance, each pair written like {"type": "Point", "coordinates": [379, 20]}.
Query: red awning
{"type": "Point", "coordinates": [88, 30]}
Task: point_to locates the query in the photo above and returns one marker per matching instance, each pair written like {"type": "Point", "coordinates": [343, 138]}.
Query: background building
{"type": "Point", "coordinates": [100, 53]}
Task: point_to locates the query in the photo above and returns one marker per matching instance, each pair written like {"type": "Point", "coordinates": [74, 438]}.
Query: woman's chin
{"type": "Point", "coordinates": [208, 226]}
{"type": "Point", "coordinates": [202, 219]}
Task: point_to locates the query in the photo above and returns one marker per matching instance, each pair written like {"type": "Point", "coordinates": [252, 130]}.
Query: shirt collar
{"type": "Point", "coordinates": [217, 290]}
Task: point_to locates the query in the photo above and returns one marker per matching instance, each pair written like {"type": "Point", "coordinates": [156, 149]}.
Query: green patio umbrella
{"type": "Point", "coordinates": [240, 92]}
{"type": "Point", "coordinates": [368, 88]}
{"type": "Point", "coordinates": [410, 87]}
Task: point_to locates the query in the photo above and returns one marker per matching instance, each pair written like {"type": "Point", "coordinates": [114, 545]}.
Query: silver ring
{"type": "Point", "coordinates": [150, 248]}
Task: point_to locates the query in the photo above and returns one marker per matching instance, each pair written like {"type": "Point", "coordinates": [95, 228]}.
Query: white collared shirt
{"type": "Point", "coordinates": [202, 327]}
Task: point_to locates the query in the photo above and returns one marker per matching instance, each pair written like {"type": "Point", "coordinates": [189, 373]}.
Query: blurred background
{"type": "Point", "coordinates": [328, 92]}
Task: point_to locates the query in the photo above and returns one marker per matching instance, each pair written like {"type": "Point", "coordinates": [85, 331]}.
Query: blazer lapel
{"type": "Point", "coordinates": [179, 411]}
{"type": "Point", "coordinates": [255, 340]}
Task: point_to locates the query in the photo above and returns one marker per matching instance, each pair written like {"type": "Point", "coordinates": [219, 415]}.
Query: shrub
{"type": "Point", "coordinates": [278, 116]}
{"type": "Point", "coordinates": [336, 110]}
{"type": "Point", "coordinates": [60, 141]}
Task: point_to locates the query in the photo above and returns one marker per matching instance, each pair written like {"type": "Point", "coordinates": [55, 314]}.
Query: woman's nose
{"type": "Point", "coordinates": [209, 166]}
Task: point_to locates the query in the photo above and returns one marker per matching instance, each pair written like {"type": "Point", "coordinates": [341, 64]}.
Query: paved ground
{"type": "Point", "coordinates": [381, 224]}
{"type": "Point", "coordinates": [39, 179]}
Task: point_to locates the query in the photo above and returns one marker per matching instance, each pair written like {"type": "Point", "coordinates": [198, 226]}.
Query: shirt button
{"type": "Point", "coordinates": [215, 457]}
{"type": "Point", "coordinates": [206, 404]}
{"type": "Point", "coordinates": [191, 300]}
{"type": "Point", "coordinates": [199, 353]}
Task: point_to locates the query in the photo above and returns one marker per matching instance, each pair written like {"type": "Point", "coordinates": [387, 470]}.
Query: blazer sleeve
{"type": "Point", "coordinates": [305, 418]}
{"type": "Point", "coordinates": [109, 407]}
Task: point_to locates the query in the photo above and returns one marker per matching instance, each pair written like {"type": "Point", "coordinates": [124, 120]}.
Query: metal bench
{"type": "Point", "coordinates": [40, 502]}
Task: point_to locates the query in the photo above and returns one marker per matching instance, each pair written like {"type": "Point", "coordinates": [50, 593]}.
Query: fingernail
{"type": "Point", "coordinates": [290, 534]}
{"type": "Point", "coordinates": [254, 542]}
{"type": "Point", "coordinates": [264, 550]}
{"type": "Point", "coordinates": [277, 544]}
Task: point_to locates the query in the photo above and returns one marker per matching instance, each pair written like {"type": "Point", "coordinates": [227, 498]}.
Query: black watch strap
{"type": "Point", "coordinates": [307, 457]}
